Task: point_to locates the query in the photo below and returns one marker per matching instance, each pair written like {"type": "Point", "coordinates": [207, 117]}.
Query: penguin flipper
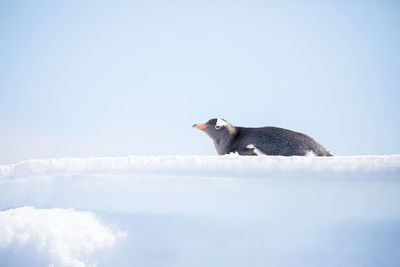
{"type": "Point", "coordinates": [247, 152]}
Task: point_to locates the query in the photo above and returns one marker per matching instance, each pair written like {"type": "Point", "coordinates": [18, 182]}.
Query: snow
{"type": "Point", "coordinates": [201, 211]}
{"type": "Point", "coordinates": [310, 153]}
{"type": "Point", "coordinates": [58, 237]}
{"type": "Point", "coordinates": [217, 166]}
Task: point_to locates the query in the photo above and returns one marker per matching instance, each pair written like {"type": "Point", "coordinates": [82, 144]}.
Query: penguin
{"type": "Point", "coordinates": [269, 140]}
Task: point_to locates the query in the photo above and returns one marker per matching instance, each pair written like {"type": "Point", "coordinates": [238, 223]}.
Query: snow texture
{"type": "Point", "coordinates": [201, 211]}
{"type": "Point", "coordinates": [217, 166]}
{"type": "Point", "coordinates": [53, 237]}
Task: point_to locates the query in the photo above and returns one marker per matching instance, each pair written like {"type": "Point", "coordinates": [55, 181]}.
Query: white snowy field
{"type": "Point", "coordinates": [201, 211]}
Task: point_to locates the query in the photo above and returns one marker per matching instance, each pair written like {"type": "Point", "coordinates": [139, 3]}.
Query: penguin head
{"type": "Point", "coordinates": [217, 129]}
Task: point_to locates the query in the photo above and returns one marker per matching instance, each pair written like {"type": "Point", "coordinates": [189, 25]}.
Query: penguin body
{"type": "Point", "coordinates": [259, 141]}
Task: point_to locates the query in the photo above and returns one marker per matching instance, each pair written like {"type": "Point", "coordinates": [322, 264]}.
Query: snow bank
{"type": "Point", "coordinates": [52, 237]}
{"type": "Point", "coordinates": [181, 211]}
{"type": "Point", "coordinates": [216, 166]}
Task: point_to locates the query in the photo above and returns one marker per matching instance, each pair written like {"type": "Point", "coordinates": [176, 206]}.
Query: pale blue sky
{"type": "Point", "coordinates": [118, 78]}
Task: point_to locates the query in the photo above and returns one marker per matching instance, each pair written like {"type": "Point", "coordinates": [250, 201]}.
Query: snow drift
{"type": "Point", "coordinates": [52, 237]}
{"type": "Point", "coordinates": [222, 166]}
{"type": "Point", "coordinates": [208, 211]}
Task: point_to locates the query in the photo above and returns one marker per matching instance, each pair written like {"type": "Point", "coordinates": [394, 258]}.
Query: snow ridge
{"type": "Point", "coordinates": [217, 166]}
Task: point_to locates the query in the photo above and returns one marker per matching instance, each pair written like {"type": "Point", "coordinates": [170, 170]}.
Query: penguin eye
{"type": "Point", "coordinates": [217, 127]}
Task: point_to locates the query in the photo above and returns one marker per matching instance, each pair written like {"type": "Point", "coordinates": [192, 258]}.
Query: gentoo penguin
{"type": "Point", "coordinates": [259, 141]}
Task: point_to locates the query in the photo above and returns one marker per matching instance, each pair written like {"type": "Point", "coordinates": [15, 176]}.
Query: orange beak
{"type": "Point", "coordinates": [200, 126]}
